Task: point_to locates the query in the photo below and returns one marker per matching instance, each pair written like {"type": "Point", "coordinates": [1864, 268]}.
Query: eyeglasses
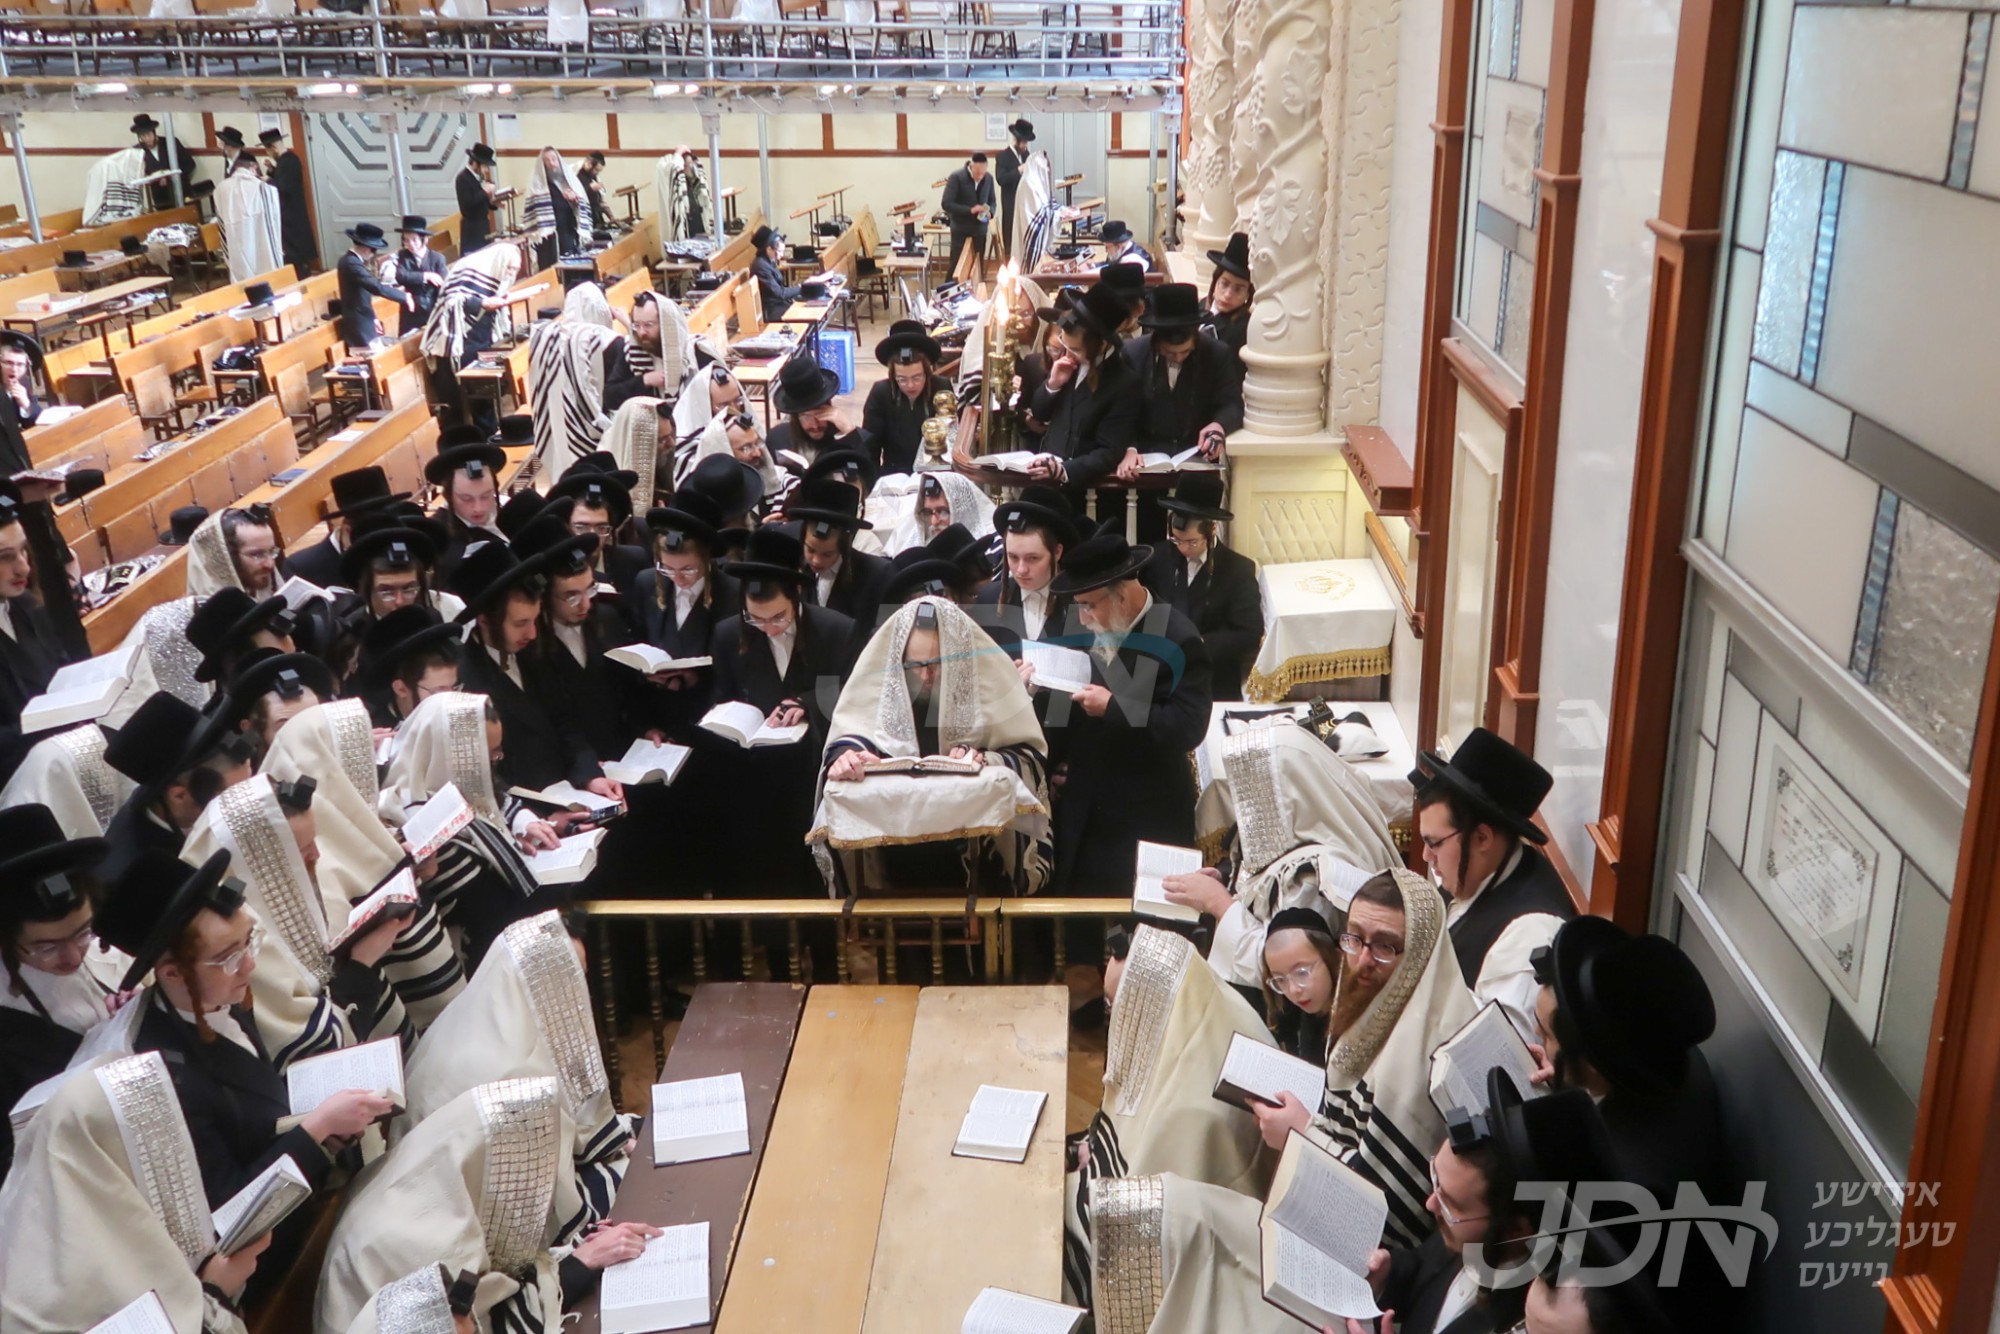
{"type": "Point", "coordinates": [51, 949]}
{"type": "Point", "coordinates": [921, 664]}
{"type": "Point", "coordinates": [1285, 983]}
{"type": "Point", "coordinates": [590, 529]}
{"type": "Point", "coordinates": [1435, 843]}
{"type": "Point", "coordinates": [396, 595]}
{"type": "Point", "coordinates": [233, 961]}
{"type": "Point", "coordinates": [1353, 946]}
{"type": "Point", "coordinates": [1455, 1219]}
{"type": "Point", "coordinates": [679, 576]}
{"type": "Point", "coordinates": [425, 692]}
{"type": "Point", "coordinates": [576, 599]}
{"type": "Point", "coordinates": [781, 622]}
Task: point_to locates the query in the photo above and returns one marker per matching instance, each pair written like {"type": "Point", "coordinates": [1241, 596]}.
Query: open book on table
{"type": "Point", "coordinates": [923, 764]}
{"type": "Point", "coordinates": [665, 1287]}
{"type": "Point", "coordinates": [998, 1311]}
{"type": "Point", "coordinates": [1321, 1222]}
{"type": "Point", "coordinates": [1488, 1041]}
{"type": "Point", "coordinates": [999, 1124]}
{"type": "Point", "coordinates": [1156, 862]}
{"type": "Point", "coordinates": [695, 1119]}
{"type": "Point", "coordinates": [746, 725]}
{"type": "Point", "coordinates": [1188, 460]}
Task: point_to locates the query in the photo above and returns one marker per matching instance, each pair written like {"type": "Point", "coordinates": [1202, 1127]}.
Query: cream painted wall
{"type": "Point", "coordinates": [59, 177]}
{"type": "Point", "coordinates": [1420, 31]}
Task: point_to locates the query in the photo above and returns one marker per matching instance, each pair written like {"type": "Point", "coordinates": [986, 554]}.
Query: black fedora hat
{"type": "Point", "coordinates": [227, 618]}
{"type": "Point", "coordinates": [74, 259]}
{"type": "Point", "coordinates": [229, 137]}
{"type": "Point", "coordinates": [266, 669]}
{"type": "Point", "coordinates": [760, 240]}
{"type": "Point", "coordinates": [1558, 1137]}
{"type": "Point", "coordinates": [1022, 129]}
{"type": "Point", "coordinates": [367, 234]}
{"type": "Point", "coordinates": [803, 384]}
{"type": "Point", "coordinates": [1637, 1005]}
{"type": "Point", "coordinates": [1197, 494]}
{"type": "Point", "coordinates": [21, 342]}
{"type": "Point", "coordinates": [257, 294]}
{"type": "Point", "coordinates": [414, 225]}
{"type": "Point", "coordinates": [1100, 307]}
{"type": "Point", "coordinates": [771, 556]}
{"type": "Point", "coordinates": [1113, 231]}
{"type": "Point", "coordinates": [153, 901]}
{"type": "Point", "coordinates": [394, 639]}
{"type": "Point", "coordinates": [852, 466]}
{"type": "Point", "coordinates": [1502, 781]}
{"type": "Point", "coordinates": [692, 515]}
{"type": "Point", "coordinates": [519, 509]}
{"type": "Point", "coordinates": [483, 154]}
{"type": "Point", "coordinates": [485, 573]}
{"type": "Point", "coordinates": [517, 428]}
{"type": "Point", "coordinates": [1235, 258]}
{"type": "Point", "coordinates": [182, 523]}
{"type": "Point", "coordinates": [823, 505]}
{"type": "Point", "coordinates": [1127, 280]}
{"type": "Point", "coordinates": [131, 245]}
{"type": "Point", "coordinates": [917, 573]}
{"type": "Point", "coordinates": [269, 137]}
{"type": "Point", "coordinates": [907, 341]}
{"type": "Point", "coordinates": [1038, 507]}
{"type": "Point", "coordinates": [39, 859]}
{"type": "Point", "coordinates": [80, 482]}
{"type": "Point", "coordinates": [398, 546]}
{"type": "Point", "coordinates": [361, 491]}
{"type": "Point", "coordinates": [143, 123]}
{"type": "Point", "coordinates": [734, 486]}
{"type": "Point", "coordinates": [549, 543]}
{"type": "Point", "coordinates": [609, 491]}
{"type": "Point", "coordinates": [1097, 561]}
{"type": "Point", "coordinates": [957, 545]}
{"type": "Point", "coordinates": [475, 459]}
{"type": "Point", "coordinates": [166, 736]}
{"type": "Point", "coordinates": [1174, 306]}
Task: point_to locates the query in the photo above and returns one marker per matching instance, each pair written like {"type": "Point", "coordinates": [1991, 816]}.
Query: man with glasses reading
{"type": "Point", "coordinates": [603, 504]}
{"type": "Point", "coordinates": [407, 656]}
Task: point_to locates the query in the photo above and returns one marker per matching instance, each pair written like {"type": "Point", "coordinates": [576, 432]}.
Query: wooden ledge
{"type": "Point", "coordinates": [1385, 475]}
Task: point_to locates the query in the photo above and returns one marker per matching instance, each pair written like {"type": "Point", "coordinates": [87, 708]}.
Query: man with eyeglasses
{"type": "Point", "coordinates": [1475, 817]}
{"type": "Point", "coordinates": [603, 504]}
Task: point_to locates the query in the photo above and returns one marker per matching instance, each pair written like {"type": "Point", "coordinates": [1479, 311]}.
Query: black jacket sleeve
{"type": "Point", "coordinates": [1114, 427]}
{"type": "Point", "coordinates": [620, 380]}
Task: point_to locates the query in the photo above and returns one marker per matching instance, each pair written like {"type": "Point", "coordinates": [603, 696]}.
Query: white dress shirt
{"type": "Point", "coordinates": [684, 600]}
{"type": "Point", "coordinates": [781, 648]}
{"type": "Point", "coordinates": [825, 582]}
{"type": "Point", "coordinates": [1034, 611]}
{"type": "Point", "coordinates": [7, 619]}
{"type": "Point", "coordinates": [510, 663]}
{"type": "Point", "coordinates": [571, 638]}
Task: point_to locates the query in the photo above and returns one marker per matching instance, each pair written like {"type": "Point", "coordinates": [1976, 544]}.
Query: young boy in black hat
{"type": "Point", "coordinates": [828, 515]}
{"type": "Point", "coordinates": [1207, 582]}
{"type": "Point", "coordinates": [356, 493]}
{"type": "Point", "coordinates": [1230, 294]}
{"type": "Point", "coordinates": [359, 328]}
{"type": "Point", "coordinates": [420, 272]}
{"type": "Point", "coordinates": [182, 759]}
{"type": "Point", "coordinates": [892, 418]}
{"type": "Point", "coordinates": [466, 469]}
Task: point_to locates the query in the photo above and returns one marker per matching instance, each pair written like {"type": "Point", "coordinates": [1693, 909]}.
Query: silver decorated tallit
{"type": "Point", "coordinates": [969, 506]}
{"type": "Point", "coordinates": [633, 439]}
{"type": "Point", "coordinates": [67, 773]}
{"type": "Point", "coordinates": [1175, 1256]}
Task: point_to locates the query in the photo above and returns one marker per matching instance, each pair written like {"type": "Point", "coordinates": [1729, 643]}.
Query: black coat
{"type": "Point", "coordinates": [1092, 421]}
{"type": "Point", "coordinates": [676, 711]}
{"type": "Point", "coordinates": [28, 659]}
{"type": "Point", "coordinates": [531, 743]}
{"type": "Point", "coordinates": [1208, 389]}
{"type": "Point", "coordinates": [777, 297]}
{"type": "Point", "coordinates": [621, 380]}
{"type": "Point", "coordinates": [1129, 775]}
{"type": "Point", "coordinates": [410, 271]}
{"type": "Point", "coordinates": [161, 194]}
{"type": "Point", "coordinates": [591, 703]}
{"type": "Point", "coordinates": [1416, 1285]}
{"type": "Point", "coordinates": [1232, 331]}
{"type": "Point", "coordinates": [136, 829]}
{"type": "Point", "coordinates": [13, 445]}
{"type": "Point", "coordinates": [475, 212]}
{"type": "Point", "coordinates": [746, 670]}
{"type": "Point", "coordinates": [1007, 171]}
{"type": "Point", "coordinates": [318, 563]}
{"type": "Point", "coordinates": [1224, 605]}
{"type": "Point", "coordinates": [961, 195]}
{"type": "Point", "coordinates": [1533, 888]}
{"type": "Point", "coordinates": [795, 454]}
{"type": "Point", "coordinates": [893, 426]}
{"type": "Point", "coordinates": [295, 224]}
{"type": "Point", "coordinates": [31, 1049]}
{"type": "Point", "coordinates": [621, 566]}
{"type": "Point", "coordinates": [358, 325]}
{"type": "Point", "coordinates": [857, 586]}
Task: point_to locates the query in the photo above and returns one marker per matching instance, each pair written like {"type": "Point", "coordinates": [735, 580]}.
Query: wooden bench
{"type": "Point", "coordinates": [730, 1028]}
{"type": "Point", "coordinates": [737, 254]}
{"type": "Point", "coordinates": [212, 469]}
{"type": "Point", "coordinates": [399, 442]}
{"type": "Point", "coordinates": [28, 258]}
{"type": "Point", "coordinates": [808, 1238]}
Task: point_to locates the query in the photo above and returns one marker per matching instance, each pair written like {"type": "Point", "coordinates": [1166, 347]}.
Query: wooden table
{"type": "Point", "coordinates": [86, 304]}
{"type": "Point", "coordinates": [806, 312]}
{"type": "Point", "coordinates": [104, 263]}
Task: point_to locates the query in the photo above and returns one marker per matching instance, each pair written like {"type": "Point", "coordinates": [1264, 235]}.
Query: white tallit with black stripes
{"type": "Point", "coordinates": [112, 191]}
{"type": "Point", "coordinates": [470, 282]}
{"type": "Point", "coordinates": [566, 382]}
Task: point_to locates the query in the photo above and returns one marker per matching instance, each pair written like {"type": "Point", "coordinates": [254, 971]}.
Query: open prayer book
{"type": "Point", "coordinates": [999, 1124]}
{"type": "Point", "coordinates": [1254, 1071]}
{"type": "Point", "coordinates": [1321, 1222]}
{"type": "Point", "coordinates": [434, 822]}
{"type": "Point", "coordinates": [645, 658]}
{"type": "Point", "coordinates": [565, 796]}
{"type": "Point", "coordinates": [666, 1287]}
{"type": "Point", "coordinates": [374, 1066]}
{"type": "Point", "coordinates": [261, 1205]}
{"type": "Point", "coordinates": [746, 726]}
{"type": "Point", "coordinates": [1485, 1042]}
{"type": "Point", "coordinates": [571, 860]}
{"type": "Point", "coordinates": [647, 762]}
{"type": "Point", "coordinates": [1157, 861]}
{"type": "Point", "coordinates": [1018, 460]}
{"type": "Point", "coordinates": [998, 1311]}
{"type": "Point", "coordinates": [396, 897]}
{"type": "Point", "coordinates": [1188, 460]}
{"type": "Point", "coordinates": [695, 1119]}
{"type": "Point", "coordinates": [144, 1316]}
{"type": "Point", "coordinates": [81, 692]}
{"type": "Point", "coordinates": [923, 764]}
{"type": "Point", "coordinates": [297, 592]}
{"type": "Point", "coordinates": [1056, 667]}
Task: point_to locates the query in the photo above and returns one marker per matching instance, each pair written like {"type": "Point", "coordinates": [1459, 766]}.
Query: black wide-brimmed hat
{"type": "Point", "coordinates": [1099, 560]}
{"type": "Point", "coordinates": [1197, 494]}
{"type": "Point", "coordinates": [1636, 1005]}
{"type": "Point", "coordinates": [823, 505]}
{"type": "Point", "coordinates": [803, 384]}
{"type": "Point", "coordinates": [908, 340]}
{"type": "Point", "coordinates": [1503, 782]}
{"type": "Point", "coordinates": [771, 556]}
{"type": "Point", "coordinates": [269, 136]}
{"type": "Point", "coordinates": [1236, 258]}
{"type": "Point", "coordinates": [1127, 280]}
{"type": "Point", "coordinates": [182, 523]}
{"type": "Point", "coordinates": [760, 240]}
{"type": "Point", "coordinates": [266, 669]}
{"type": "Point", "coordinates": [515, 429]}
{"type": "Point", "coordinates": [957, 545]}
{"type": "Point", "coordinates": [142, 123]}
{"type": "Point", "coordinates": [21, 342]}
{"type": "Point", "coordinates": [37, 860]}
{"type": "Point", "coordinates": [80, 482]}
{"type": "Point", "coordinates": [692, 515]}
{"type": "Point", "coordinates": [361, 490]}
{"type": "Point", "coordinates": [734, 486]}
{"type": "Point", "coordinates": [1101, 308]}
{"type": "Point", "coordinates": [1559, 1137]}
{"type": "Point", "coordinates": [482, 154]}
{"type": "Point", "coordinates": [599, 490]}
{"type": "Point", "coordinates": [485, 573]}
{"type": "Point", "coordinates": [857, 469]}
{"type": "Point", "coordinates": [401, 547]}
{"type": "Point", "coordinates": [257, 295]}
{"type": "Point", "coordinates": [74, 259]}
{"type": "Point", "coordinates": [550, 544]}
{"type": "Point", "coordinates": [1038, 507]}
{"type": "Point", "coordinates": [153, 901]}
{"type": "Point", "coordinates": [520, 509]}
{"type": "Point", "coordinates": [367, 234]}
{"type": "Point", "coordinates": [229, 137]}
{"type": "Point", "coordinates": [1174, 306]}
{"type": "Point", "coordinates": [414, 225]}
{"type": "Point", "coordinates": [461, 457]}
{"type": "Point", "coordinates": [1113, 231]}
{"type": "Point", "coordinates": [401, 635]}
{"type": "Point", "coordinates": [227, 618]}
{"type": "Point", "coordinates": [917, 573]}
{"type": "Point", "coordinates": [164, 737]}
{"type": "Point", "coordinates": [1022, 129]}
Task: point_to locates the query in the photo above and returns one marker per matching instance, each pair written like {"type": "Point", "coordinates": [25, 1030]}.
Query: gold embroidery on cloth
{"type": "Point", "coordinates": [1269, 688]}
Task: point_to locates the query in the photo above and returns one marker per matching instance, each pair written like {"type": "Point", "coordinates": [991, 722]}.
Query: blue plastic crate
{"type": "Point", "coordinates": [836, 353]}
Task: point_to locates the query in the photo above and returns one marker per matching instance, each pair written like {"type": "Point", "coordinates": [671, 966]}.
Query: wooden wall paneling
{"type": "Point", "coordinates": [1686, 261]}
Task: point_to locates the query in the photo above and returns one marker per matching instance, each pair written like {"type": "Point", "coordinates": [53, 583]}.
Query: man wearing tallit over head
{"type": "Point", "coordinates": [246, 206]}
{"type": "Point", "coordinates": [1307, 831]}
{"type": "Point", "coordinates": [526, 1013]}
{"type": "Point", "coordinates": [464, 322]}
{"type": "Point", "coordinates": [308, 1001]}
{"type": "Point", "coordinates": [335, 743]}
{"type": "Point", "coordinates": [557, 215]}
{"type": "Point", "coordinates": [67, 773]}
{"type": "Point", "coordinates": [566, 373]}
{"type": "Point", "coordinates": [105, 1204]}
{"type": "Point", "coordinates": [931, 683]}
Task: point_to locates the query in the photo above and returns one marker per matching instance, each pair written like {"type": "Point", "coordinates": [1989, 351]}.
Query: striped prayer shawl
{"type": "Point", "coordinates": [566, 387]}
{"type": "Point", "coordinates": [483, 274]}
{"type": "Point", "coordinates": [112, 191]}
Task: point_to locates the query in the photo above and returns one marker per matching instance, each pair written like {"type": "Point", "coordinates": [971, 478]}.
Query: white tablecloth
{"type": "Point", "coordinates": [1324, 620]}
{"type": "Point", "coordinates": [1388, 776]}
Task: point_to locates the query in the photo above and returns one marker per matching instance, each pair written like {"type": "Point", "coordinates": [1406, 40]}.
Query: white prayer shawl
{"type": "Point", "coordinates": [633, 439]}
{"type": "Point", "coordinates": [1378, 1113]}
{"type": "Point", "coordinates": [210, 568]}
{"type": "Point", "coordinates": [484, 274]}
{"type": "Point", "coordinates": [1031, 196]}
{"type": "Point", "coordinates": [1299, 809]}
{"type": "Point", "coordinates": [978, 702]}
{"type": "Point", "coordinates": [1021, 294]}
{"type": "Point", "coordinates": [682, 183]}
{"type": "Point", "coordinates": [67, 773]}
{"type": "Point", "coordinates": [166, 662]}
{"type": "Point", "coordinates": [112, 191]}
{"type": "Point", "coordinates": [481, 1185]}
{"type": "Point", "coordinates": [566, 382]}
{"type": "Point", "coordinates": [569, 23]}
{"type": "Point", "coordinates": [525, 1014]}
{"type": "Point", "coordinates": [891, 506]}
{"type": "Point", "coordinates": [246, 206]}
{"type": "Point", "coordinates": [444, 741]}
{"type": "Point", "coordinates": [969, 506]}
{"type": "Point", "coordinates": [539, 217]}
{"type": "Point", "coordinates": [1176, 1256]}
{"type": "Point", "coordinates": [104, 1203]}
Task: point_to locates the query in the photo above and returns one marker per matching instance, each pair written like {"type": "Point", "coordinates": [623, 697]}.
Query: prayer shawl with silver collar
{"type": "Point", "coordinates": [444, 741]}
{"type": "Point", "coordinates": [633, 439]}
{"type": "Point", "coordinates": [1176, 1256]}
{"type": "Point", "coordinates": [103, 1204]}
{"type": "Point", "coordinates": [67, 773]}
{"type": "Point", "coordinates": [210, 567]}
{"type": "Point", "coordinates": [566, 383]}
{"type": "Point", "coordinates": [969, 506]}
{"type": "Point", "coordinates": [246, 207]}
{"type": "Point", "coordinates": [484, 274]}
{"type": "Point", "coordinates": [480, 1185]}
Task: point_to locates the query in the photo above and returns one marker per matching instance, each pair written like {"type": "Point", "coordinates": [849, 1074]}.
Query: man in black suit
{"type": "Point", "coordinates": [811, 427]}
{"type": "Point", "coordinates": [601, 496]}
{"type": "Point", "coordinates": [968, 200]}
{"type": "Point", "coordinates": [1007, 171]}
{"type": "Point", "coordinates": [358, 282]}
{"type": "Point", "coordinates": [776, 294]}
{"type": "Point", "coordinates": [30, 653]}
{"type": "Point", "coordinates": [1018, 603]}
{"type": "Point", "coordinates": [466, 469]}
{"type": "Point", "coordinates": [420, 272]}
{"type": "Point", "coordinates": [475, 199]}
{"type": "Point", "coordinates": [589, 697]}
{"type": "Point", "coordinates": [160, 194]}
{"type": "Point", "coordinates": [1090, 400]}
{"type": "Point", "coordinates": [1122, 247]}
{"type": "Point", "coordinates": [20, 359]}
{"type": "Point", "coordinates": [357, 493]}
{"type": "Point", "coordinates": [1190, 385]}
{"type": "Point", "coordinates": [1126, 736]}
{"type": "Point", "coordinates": [850, 582]}
{"type": "Point", "coordinates": [503, 603]}
{"type": "Point", "coordinates": [1206, 582]}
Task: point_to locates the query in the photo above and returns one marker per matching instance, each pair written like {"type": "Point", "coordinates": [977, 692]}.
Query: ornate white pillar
{"type": "Point", "coordinates": [1209, 211]}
